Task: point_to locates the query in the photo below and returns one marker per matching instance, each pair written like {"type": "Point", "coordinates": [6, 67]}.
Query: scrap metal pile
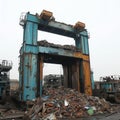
{"type": "Point", "coordinates": [47, 44]}
{"type": "Point", "coordinates": [53, 80]}
{"type": "Point", "coordinates": [10, 110]}
{"type": "Point", "coordinates": [66, 103]}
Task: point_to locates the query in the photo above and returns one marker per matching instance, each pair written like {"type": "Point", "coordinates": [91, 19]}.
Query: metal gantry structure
{"type": "Point", "coordinates": [76, 64]}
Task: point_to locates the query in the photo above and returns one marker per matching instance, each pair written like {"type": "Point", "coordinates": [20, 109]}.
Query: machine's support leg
{"type": "Point", "coordinates": [81, 42]}
{"type": "Point", "coordinates": [29, 63]}
{"type": "Point", "coordinates": [67, 76]}
{"type": "Point", "coordinates": [41, 74]}
{"type": "Point", "coordinates": [29, 77]}
{"type": "Point", "coordinates": [21, 77]}
{"type": "Point", "coordinates": [78, 75]}
{"type": "Point", "coordinates": [71, 76]}
{"type": "Point", "coordinates": [65, 73]}
{"type": "Point", "coordinates": [87, 77]}
{"type": "Point", "coordinates": [81, 77]}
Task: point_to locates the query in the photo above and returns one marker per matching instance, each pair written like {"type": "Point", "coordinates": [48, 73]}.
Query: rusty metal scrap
{"type": "Point", "coordinates": [53, 80]}
{"type": "Point", "coordinates": [12, 115]}
{"type": "Point", "coordinates": [67, 103]}
{"type": "Point", "coordinates": [7, 113]}
{"type": "Point", "coordinates": [11, 109]}
{"type": "Point", "coordinates": [47, 44]}
{"type": "Point", "coordinates": [79, 25]}
{"type": "Point", "coordinates": [46, 15]}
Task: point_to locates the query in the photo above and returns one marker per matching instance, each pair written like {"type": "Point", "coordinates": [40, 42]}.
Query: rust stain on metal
{"type": "Point", "coordinates": [41, 67]}
{"type": "Point", "coordinates": [79, 25]}
{"type": "Point", "coordinates": [87, 79]}
{"type": "Point", "coordinates": [82, 56]}
{"type": "Point", "coordinates": [46, 15]}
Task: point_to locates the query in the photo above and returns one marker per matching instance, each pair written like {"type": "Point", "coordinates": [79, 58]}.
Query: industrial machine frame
{"type": "Point", "coordinates": [76, 64]}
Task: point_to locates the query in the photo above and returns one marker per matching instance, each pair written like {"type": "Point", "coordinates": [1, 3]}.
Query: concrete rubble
{"type": "Point", "coordinates": [66, 103]}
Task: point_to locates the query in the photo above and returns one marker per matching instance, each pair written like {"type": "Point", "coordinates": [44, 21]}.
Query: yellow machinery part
{"type": "Point", "coordinates": [46, 15]}
{"type": "Point", "coordinates": [87, 78]}
{"type": "Point", "coordinates": [79, 25]}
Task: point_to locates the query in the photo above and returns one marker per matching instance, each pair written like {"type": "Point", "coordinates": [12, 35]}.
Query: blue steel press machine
{"type": "Point", "coordinates": [76, 64]}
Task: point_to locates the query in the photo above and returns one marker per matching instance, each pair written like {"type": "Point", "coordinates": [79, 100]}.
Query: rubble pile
{"type": "Point", "coordinates": [53, 81]}
{"type": "Point", "coordinates": [66, 103]}
{"type": "Point", "coordinates": [47, 44]}
{"type": "Point", "coordinates": [8, 111]}
{"type": "Point", "coordinates": [8, 114]}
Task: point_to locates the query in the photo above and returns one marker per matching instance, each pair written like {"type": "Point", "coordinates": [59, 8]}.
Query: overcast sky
{"type": "Point", "coordinates": [102, 19]}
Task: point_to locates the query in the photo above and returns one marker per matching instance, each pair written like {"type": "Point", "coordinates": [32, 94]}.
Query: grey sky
{"type": "Point", "coordinates": [102, 19]}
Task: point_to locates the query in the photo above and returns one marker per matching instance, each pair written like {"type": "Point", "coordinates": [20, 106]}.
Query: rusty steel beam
{"type": "Point", "coordinates": [87, 78]}
{"type": "Point", "coordinates": [65, 73]}
{"type": "Point", "coordinates": [71, 75]}
{"type": "Point", "coordinates": [78, 74]}
{"type": "Point", "coordinates": [82, 56]}
{"type": "Point", "coordinates": [63, 52]}
{"type": "Point", "coordinates": [41, 73]}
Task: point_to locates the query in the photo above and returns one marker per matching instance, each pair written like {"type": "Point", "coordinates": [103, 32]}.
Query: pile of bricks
{"type": "Point", "coordinates": [66, 103]}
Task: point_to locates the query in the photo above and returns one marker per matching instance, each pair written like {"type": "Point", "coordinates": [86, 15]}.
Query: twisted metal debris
{"type": "Point", "coordinates": [66, 103]}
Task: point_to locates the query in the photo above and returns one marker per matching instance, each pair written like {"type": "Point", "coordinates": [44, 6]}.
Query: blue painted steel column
{"type": "Point", "coordinates": [81, 42]}
{"type": "Point", "coordinates": [20, 74]}
{"type": "Point", "coordinates": [84, 42]}
{"type": "Point", "coordinates": [78, 41]}
{"type": "Point", "coordinates": [41, 74]}
{"type": "Point", "coordinates": [29, 54]}
{"type": "Point", "coordinates": [92, 80]}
